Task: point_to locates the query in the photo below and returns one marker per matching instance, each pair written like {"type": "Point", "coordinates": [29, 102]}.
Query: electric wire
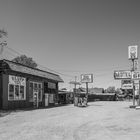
{"type": "Point", "coordinates": [96, 72]}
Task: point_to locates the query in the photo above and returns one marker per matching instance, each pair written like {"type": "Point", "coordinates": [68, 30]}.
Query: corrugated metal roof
{"type": "Point", "coordinates": [36, 72]}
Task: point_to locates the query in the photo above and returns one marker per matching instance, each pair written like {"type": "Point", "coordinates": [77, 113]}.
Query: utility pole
{"type": "Point", "coordinates": [2, 44]}
{"type": "Point", "coordinates": [133, 69]}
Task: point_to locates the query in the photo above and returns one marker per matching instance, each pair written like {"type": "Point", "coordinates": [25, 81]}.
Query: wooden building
{"type": "Point", "coordinates": [25, 87]}
{"type": "Point", "coordinates": [65, 97]}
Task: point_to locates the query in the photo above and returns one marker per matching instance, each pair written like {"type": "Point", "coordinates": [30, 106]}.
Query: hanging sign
{"type": "Point", "coordinates": [122, 74]}
{"type": "Point", "coordinates": [87, 78]}
{"type": "Point", "coordinates": [127, 84]}
{"type": "Point", "coordinates": [133, 52]}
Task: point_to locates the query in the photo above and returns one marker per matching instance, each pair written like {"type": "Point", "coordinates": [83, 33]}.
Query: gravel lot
{"type": "Point", "coordinates": [98, 121]}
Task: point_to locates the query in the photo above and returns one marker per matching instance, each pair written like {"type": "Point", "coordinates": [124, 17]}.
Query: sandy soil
{"type": "Point", "coordinates": [98, 121]}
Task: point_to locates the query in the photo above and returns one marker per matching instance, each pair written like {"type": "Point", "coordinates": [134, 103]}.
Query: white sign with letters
{"type": "Point", "coordinates": [136, 75]}
{"type": "Point", "coordinates": [16, 80]}
{"type": "Point", "coordinates": [87, 78]}
{"type": "Point", "coordinates": [122, 74]}
{"type": "Point", "coordinates": [127, 84]}
{"type": "Point", "coordinates": [133, 52]}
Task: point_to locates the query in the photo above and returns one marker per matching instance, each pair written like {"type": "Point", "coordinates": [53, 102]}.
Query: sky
{"type": "Point", "coordinates": [73, 37]}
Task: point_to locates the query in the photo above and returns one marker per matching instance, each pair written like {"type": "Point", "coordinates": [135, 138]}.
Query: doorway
{"type": "Point", "coordinates": [46, 99]}
{"type": "Point", "coordinates": [35, 100]}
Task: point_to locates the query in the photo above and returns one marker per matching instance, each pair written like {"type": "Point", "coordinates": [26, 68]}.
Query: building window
{"type": "Point", "coordinates": [16, 88]}
{"type": "Point", "coordinates": [35, 87]}
{"type": "Point", "coordinates": [11, 92]}
{"type": "Point", "coordinates": [16, 92]}
{"type": "Point", "coordinates": [51, 98]}
{"type": "Point", "coordinates": [31, 92]}
{"type": "Point", "coordinates": [21, 95]}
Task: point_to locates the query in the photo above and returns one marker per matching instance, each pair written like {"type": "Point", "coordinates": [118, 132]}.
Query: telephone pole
{"type": "Point", "coordinates": [2, 44]}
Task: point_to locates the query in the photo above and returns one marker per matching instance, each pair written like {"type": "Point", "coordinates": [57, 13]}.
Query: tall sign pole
{"type": "Point", "coordinates": [133, 55]}
{"type": "Point", "coordinates": [130, 74]}
{"type": "Point", "coordinates": [133, 83]}
{"type": "Point", "coordinates": [139, 94]}
{"type": "Point", "coordinates": [87, 78]}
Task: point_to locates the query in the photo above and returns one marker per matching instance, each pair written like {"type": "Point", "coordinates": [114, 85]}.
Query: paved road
{"type": "Point", "coordinates": [98, 121]}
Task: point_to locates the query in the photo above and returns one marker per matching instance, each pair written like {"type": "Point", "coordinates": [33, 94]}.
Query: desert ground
{"type": "Point", "coordinates": [105, 120]}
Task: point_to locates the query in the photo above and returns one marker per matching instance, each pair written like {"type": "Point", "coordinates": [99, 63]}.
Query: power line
{"type": "Point", "coordinates": [48, 69]}
{"type": "Point", "coordinates": [60, 73]}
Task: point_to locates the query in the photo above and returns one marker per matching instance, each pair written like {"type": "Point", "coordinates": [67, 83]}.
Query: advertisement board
{"type": "Point", "coordinates": [133, 52]}
{"type": "Point", "coordinates": [122, 74]}
{"type": "Point", "coordinates": [87, 78]}
{"type": "Point", "coordinates": [16, 80]}
{"type": "Point", "coordinates": [127, 84]}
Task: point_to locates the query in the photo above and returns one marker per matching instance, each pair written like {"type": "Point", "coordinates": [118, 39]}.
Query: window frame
{"type": "Point", "coordinates": [19, 92]}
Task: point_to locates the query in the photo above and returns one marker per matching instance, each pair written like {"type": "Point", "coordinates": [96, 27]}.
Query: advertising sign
{"type": "Point", "coordinates": [87, 78]}
{"type": "Point", "coordinates": [127, 84]}
{"type": "Point", "coordinates": [122, 74]}
{"type": "Point", "coordinates": [51, 85]}
{"type": "Point", "coordinates": [133, 52]}
{"type": "Point", "coordinates": [16, 80]}
{"type": "Point", "coordinates": [136, 75]}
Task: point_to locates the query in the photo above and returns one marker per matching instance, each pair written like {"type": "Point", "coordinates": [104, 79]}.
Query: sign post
{"type": "Point", "coordinates": [75, 98]}
{"type": "Point", "coordinates": [130, 75]}
{"type": "Point", "coordinates": [122, 74]}
{"type": "Point", "coordinates": [139, 94]}
{"type": "Point", "coordinates": [127, 84]}
{"type": "Point", "coordinates": [133, 55]}
{"type": "Point", "coordinates": [87, 78]}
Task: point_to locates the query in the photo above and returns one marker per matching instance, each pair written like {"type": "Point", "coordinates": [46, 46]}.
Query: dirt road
{"type": "Point", "coordinates": [98, 121]}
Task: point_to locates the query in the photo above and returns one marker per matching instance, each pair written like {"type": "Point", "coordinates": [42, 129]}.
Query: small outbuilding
{"type": "Point", "coordinates": [25, 87]}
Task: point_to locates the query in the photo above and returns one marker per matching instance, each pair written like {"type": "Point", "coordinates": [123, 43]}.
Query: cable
{"type": "Point", "coordinates": [66, 75]}
{"type": "Point", "coordinates": [48, 69]}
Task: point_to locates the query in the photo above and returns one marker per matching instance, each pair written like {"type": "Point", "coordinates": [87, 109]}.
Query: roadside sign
{"type": "Point", "coordinates": [133, 52]}
{"type": "Point", "coordinates": [87, 78]}
{"type": "Point", "coordinates": [136, 75]}
{"type": "Point", "coordinates": [122, 74]}
{"type": "Point", "coordinates": [127, 84]}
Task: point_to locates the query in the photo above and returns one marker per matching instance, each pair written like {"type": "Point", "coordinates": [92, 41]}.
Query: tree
{"type": "Point", "coordinates": [23, 59]}
{"type": "Point", "coordinates": [110, 89]}
{"type": "Point", "coordinates": [118, 91]}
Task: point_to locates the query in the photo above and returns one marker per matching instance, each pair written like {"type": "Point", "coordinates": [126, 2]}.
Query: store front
{"type": "Point", "coordinates": [23, 87]}
{"type": "Point", "coordinates": [50, 89]}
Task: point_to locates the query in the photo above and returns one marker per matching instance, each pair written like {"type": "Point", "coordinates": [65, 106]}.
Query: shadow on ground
{"type": "Point", "coordinates": [4, 113]}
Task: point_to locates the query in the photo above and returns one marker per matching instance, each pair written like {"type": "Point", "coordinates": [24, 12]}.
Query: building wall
{"type": "Point", "coordinates": [13, 104]}
{"type": "Point", "coordinates": [0, 91]}
{"type": "Point", "coordinates": [5, 91]}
